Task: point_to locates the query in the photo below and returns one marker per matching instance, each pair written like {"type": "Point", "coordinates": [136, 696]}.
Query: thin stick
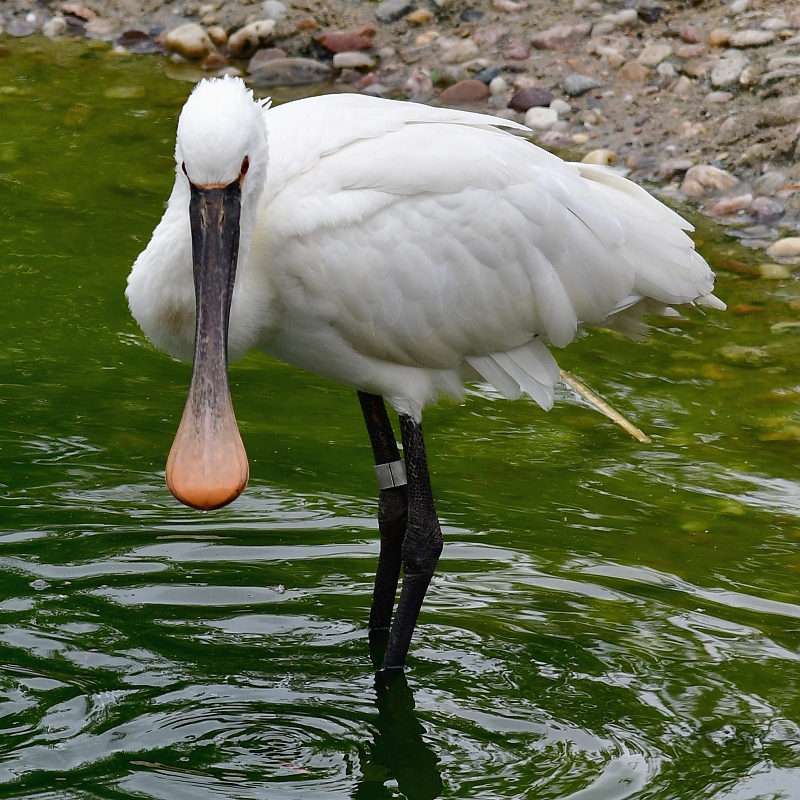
{"type": "Point", "coordinates": [602, 406]}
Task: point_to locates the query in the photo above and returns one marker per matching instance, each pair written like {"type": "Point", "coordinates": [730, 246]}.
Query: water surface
{"type": "Point", "coordinates": [609, 620]}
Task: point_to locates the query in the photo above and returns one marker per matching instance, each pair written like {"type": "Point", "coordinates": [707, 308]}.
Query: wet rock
{"type": "Point", "coordinates": [136, 41]}
{"type": "Point", "coordinates": [531, 96]}
{"type": "Point", "coordinates": [393, 10]}
{"type": "Point", "coordinates": [290, 72]}
{"type": "Point", "coordinates": [215, 60]}
{"type": "Point", "coordinates": [102, 29]}
{"type": "Point", "coordinates": [634, 71]}
{"type": "Point", "coordinates": [751, 38]}
{"type": "Point", "coordinates": [703, 179]}
{"type": "Point", "coordinates": [577, 84]}
{"type": "Point", "coordinates": [600, 156]}
{"type": "Point", "coordinates": [538, 118]}
{"type": "Point", "coordinates": [673, 167]}
{"type": "Point", "coordinates": [78, 10]}
{"type": "Point", "coordinates": [744, 356]}
{"type": "Point", "coordinates": [218, 35]}
{"type": "Point", "coordinates": [771, 181]}
{"type": "Point", "coordinates": [776, 272]}
{"type": "Point", "coordinates": [785, 248]}
{"type": "Point", "coordinates": [353, 60]}
{"type": "Point", "coordinates": [252, 37]}
{"type": "Point", "coordinates": [728, 69]}
{"type": "Point", "coordinates": [730, 205]}
{"type": "Point", "coordinates": [55, 27]}
{"type": "Point", "coordinates": [189, 41]}
{"type": "Point", "coordinates": [766, 210]}
{"type": "Point", "coordinates": [20, 27]}
{"type": "Point", "coordinates": [561, 37]}
{"type": "Point", "coordinates": [469, 91]}
{"type": "Point", "coordinates": [262, 56]}
{"type": "Point", "coordinates": [346, 41]}
{"type": "Point", "coordinates": [654, 53]}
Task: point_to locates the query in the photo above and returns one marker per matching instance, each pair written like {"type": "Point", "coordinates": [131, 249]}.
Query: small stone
{"type": "Point", "coordinates": [509, 6]}
{"type": "Point", "coordinates": [751, 38]}
{"type": "Point", "coordinates": [457, 51]}
{"type": "Point", "coordinates": [728, 69]}
{"type": "Point", "coordinates": [252, 37]}
{"type": "Point", "coordinates": [101, 29]}
{"type": "Point", "coordinates": [540, 119]}
{"type": "Point", "coordinates": [634, 71]}
{"type": "Point", "coordinates": [498, 86]}
{"type": "Point", "coordinates": [766, 210]}
{"type": "Point", "coordinates": [273, 9]}
{"type": "Point", "coordinates": [650, 14]}
{"type": "Point", "coordinates": [189, 41]}
{"type": "Point", "coordinates": [687, 51]}
{"type": "Point", "coordinates": [681, 86]}
{"type": "Point", "coordinates": [353, 60]}
{"type": "Point", "coordinates": [561, 37]}
{"type": "Point", "coordinates": [556, 139]}
{"type": "Point", "coordinates": [624, 18]}
{"type": "Point", "coordinates": [577, 84]}
{"type": "Point", "coordinates": [600, 156]}
{"type": "Point", "coordinates": [218, 35]}
{"type": "Point", "coordinates": [785, 248]}
{"type": "Point", "coordinates": [689, 34]}
{"type": "Point", "coordinates": [262, 56]}
{"type": "Point", "coordinates": [744, 356]}
{"type": "Point", "coordinates": [471, 15]}
{"type": "Point", "coordinates": [469, 91]}
{"type": "Point", "coordinates": [561, 107]}
{"type": "Point", "coordinates": [654, 53]}
{"type": "Point", "coordinates": [719, 37]}
{"type": "Point", "coordinates": [730, 205]}
{"type": "Point", "coordinates": [666, 72]}
{"type": "Point", "coordinates": [346, 41]}
{"type": "Point", "coordinates": [422, 16]}
{"type": "Point", "coordinates": [290, 72]}
{"type": "Point", "coordinates": [80, 11]}
{"type": "Point", "coordinates": [717, 98]}
{"type": "Point", "coordinates": [530, 96]}
{"type": "Point", "coordinates": [20, 27]}
{"type": "Point", "coordinates": [775, 272]}
{"type": "Point", "coordinates": [393, 10]}
{"type": "Point", "coordinates": [55, 27]}
{"type": "Point", "coordinates": [674, 166]}
{"type": "Point", "coordinates": [215, 60]}
{"type": "Point", "coordinates": [516, 51]}
{"type": "Point", "coordinates": [785, 112]}
{"type": "Point", "coordinates": [307, 24]}
{"type": "Point", "coordinates": [739, 6]}
{"type": "Point", "coordinates": [704, 179]}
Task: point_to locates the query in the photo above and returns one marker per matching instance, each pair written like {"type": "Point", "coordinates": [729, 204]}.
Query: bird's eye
{"type": "Point", "coordinates": [183, 167]}
{"type": "Point", "coordinates": [245, 165]}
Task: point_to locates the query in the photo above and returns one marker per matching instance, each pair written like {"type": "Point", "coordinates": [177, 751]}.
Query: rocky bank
{"type": "Point", "coordinates": [700, 97]}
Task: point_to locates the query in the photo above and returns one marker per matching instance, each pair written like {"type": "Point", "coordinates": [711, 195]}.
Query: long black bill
{"type": "Point", "coordinates": [207, 465]}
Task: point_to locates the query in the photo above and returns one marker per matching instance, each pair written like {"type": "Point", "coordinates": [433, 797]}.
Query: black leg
{"type": "Point", "coordinates": [421, 546]}
{"type": "Point", "coordinates": [392, 516]}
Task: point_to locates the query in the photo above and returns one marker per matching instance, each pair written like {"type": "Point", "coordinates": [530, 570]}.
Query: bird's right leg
{"type": "Point", "coordinates": [392, 512]}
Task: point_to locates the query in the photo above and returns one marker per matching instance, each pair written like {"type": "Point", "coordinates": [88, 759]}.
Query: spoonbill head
{"type": "Point", "coordinates": [399, 249]}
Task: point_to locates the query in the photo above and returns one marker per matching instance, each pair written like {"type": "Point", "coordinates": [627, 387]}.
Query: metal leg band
{"type": "Point", "coordinates": [391, 474]}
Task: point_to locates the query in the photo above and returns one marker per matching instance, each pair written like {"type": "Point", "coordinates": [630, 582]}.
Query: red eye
{"type": "Point", "coordinates": [245, 165]}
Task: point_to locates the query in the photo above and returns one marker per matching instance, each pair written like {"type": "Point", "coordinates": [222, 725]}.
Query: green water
{"type": "Point", "coordinates": [609, 619]}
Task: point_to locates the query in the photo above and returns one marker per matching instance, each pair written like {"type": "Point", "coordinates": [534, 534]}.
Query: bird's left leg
{"type": "Point", "coordinates": [392, 512]}
{"type": "Point", "coordinates": [422, 546]}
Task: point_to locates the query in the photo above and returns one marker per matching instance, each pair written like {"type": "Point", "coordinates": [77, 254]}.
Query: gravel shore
{"type": "Point", "coordinates": [699, 97]}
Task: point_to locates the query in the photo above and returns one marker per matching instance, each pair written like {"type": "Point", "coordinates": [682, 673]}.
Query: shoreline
{"type": "Point", "coordinates": [702, 101]}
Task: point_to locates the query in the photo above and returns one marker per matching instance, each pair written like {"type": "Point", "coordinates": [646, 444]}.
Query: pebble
{"type": "Point", "coordinates": [654, 53]}
{"type": "Point", "coordinates": [456, 51]}
{"type": "Point", "coordinates": [250, 38]}
{"type": "Point", "coordinates": [704, 179]}
{"type": "Point", "coordinates": [666, 72]}
{"type": "Point", "coordinates": [262, 56]}
{"type": "Point", "coordinates": [498, 86]}
{"type": "Point", "coordinates": [717, 98]}
{"type": "Point", "coordinates": [538, 118]}
{"type": "Point", "coordinates": [489, 74]}
{"type": "Point", "coordinates": [766, 210]}
{"type": "Point", "coordinates": [345, 41]}
{"type": "Point", "coordinates": [353, 60]}
{"type": "Point", "coordinates": [625, 18]}
{"type": "Point", "coordinates": [516, 51]}
{"type": "Point", "coordinates": [689, 34]}
{"type": "Point", "coordinates": [422, 16]}
{"type": "Point", "coordinates": [650, 14]}
{"type": "Point", "coordinates": [682, 86]}
{"type": "Point", "coordinates": [393, 10]}
{"type": "Point", "coordinates": [510, 6]}
{"type": "Point", "coordinates": [290, 72]}
{"type": "Point", "coordinates": [55, 27]}
{"type": "Point", "coordinates": [20, 27]}
{"type": "Point", "coordinates": [600, 156]}
{"type": "Point", "coordinates": [751, 38]}
{"type": "Point", "coordinates": [785, 248]}
{"type": "Point", "coordinates": [273, 9]}
{"type": "Point", "coordinates": [719, 37]}
{"type": "Point", "coordinates": [730, 205]}
{"type": "Point", "coordinates": [577, 84]}
{"type": "Point", "coordinates": [561, 107]}
{"type": "Point", "coordinates": [668, 169]}
{"type": "Point", "coordinates": [634, 71]}
{"type": "Point", "coordinates": [785, 112]}
{"type": "Point", "coordinates": [469, 91]}
{"type": "Point", "coordinates": [562, 37]}
{"type": "Point", "coordinates": [214, 60]}
{"type": "Point", "coordinates": [189, 41]}
{"type": "Point", "coordinates": [728, 69]}
{"type": "Point", "coordinates": [556, 139]}
{"type": "Point", "coordinates": [530, 96]}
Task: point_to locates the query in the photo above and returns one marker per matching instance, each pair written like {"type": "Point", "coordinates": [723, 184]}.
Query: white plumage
{"type": "Point", "coordinates": [403, 249]}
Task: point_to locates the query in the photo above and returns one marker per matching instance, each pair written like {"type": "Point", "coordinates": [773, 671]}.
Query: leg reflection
{"type": "Point", "coordinates": [399, 753]}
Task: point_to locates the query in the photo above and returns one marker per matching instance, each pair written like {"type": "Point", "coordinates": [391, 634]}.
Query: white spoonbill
{"type": "Point", "coordinates": [399, 249]}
